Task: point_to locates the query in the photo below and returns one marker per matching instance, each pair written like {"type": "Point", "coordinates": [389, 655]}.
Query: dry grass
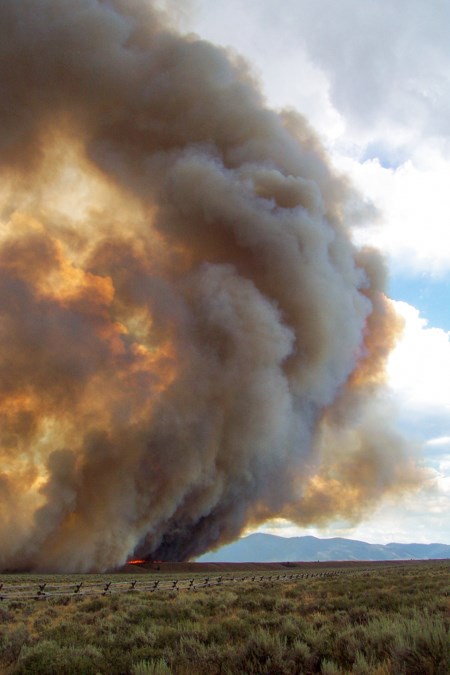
{"type": "Point", "coordinates": [389, 620]}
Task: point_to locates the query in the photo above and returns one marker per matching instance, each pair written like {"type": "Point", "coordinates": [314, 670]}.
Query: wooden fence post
{"type": "Point", "coordinates": [41, 593]}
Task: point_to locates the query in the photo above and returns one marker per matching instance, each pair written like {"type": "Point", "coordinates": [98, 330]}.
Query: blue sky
{"type": "Point", "coordinates": [373, 78]}
{"type": "Point", "coordinates": [430, 295]}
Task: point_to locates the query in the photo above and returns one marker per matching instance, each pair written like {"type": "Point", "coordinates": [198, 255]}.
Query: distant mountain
{"type": "Point", "coordinates": [270, 548]}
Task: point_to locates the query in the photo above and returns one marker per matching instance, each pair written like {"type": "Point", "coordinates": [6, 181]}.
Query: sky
{"type": "Point", "coordinates": [373, 79]}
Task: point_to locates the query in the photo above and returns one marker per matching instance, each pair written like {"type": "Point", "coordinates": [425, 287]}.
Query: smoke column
{"type": "Point", "coordinates": [189, 341]}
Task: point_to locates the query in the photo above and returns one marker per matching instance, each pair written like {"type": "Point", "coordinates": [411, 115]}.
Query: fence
{"type": "Point", "coordinates": [44, 590]}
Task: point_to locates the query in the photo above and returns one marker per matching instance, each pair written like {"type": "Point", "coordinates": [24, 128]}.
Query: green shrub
{"type": "Point", "coordinates": [389, 622]}
{"type": "Point", "coordinates": [301, 654]}
{"type": "Point", "coordinates": [5, 615]}
{"type": "Point", "coordinates": [329, 668]}
{"type": "Point", "coordinates": [154, 667]}
{"type": "Point", "coordinates": [12, 641]}
{"type": "Point", "coordinates": [264, 653]}
{"type": "Point", "coordinates": [361, 666]}
{"type": "Point", "coordinates": [49, 658]}
{"type": "Point", "coordinates": [423, 647]}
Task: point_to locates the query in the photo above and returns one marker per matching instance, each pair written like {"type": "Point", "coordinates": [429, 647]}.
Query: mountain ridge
{"type": "Point", "coordinates": [261, 547]}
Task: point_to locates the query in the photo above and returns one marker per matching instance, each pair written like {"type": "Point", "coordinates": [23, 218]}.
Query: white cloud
{"type": "Point", "coordinates": [419, 367]}
{"type": "Point", "coordinates": [386, 64]}
{"type": "Point", "coordinates": [374, 79]}
{"type": "Point", "coordinates": [414, 206]}
{"type": "Point", "coordinates": [439, 443]}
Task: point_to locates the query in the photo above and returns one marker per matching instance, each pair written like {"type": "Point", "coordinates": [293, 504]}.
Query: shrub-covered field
{"type": "Point", "coordinates": [387, 620]}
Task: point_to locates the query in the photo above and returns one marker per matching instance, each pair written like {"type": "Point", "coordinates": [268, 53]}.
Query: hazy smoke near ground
{"type": "Point", "coordinates": [190, 343]}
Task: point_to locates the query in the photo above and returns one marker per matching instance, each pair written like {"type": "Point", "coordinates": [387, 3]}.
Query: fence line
{"type": "Point", "coordinates": [45, 590]}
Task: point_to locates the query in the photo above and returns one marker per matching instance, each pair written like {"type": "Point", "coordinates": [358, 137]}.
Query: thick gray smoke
{"type": "Point", "coordinates": [190, 343]}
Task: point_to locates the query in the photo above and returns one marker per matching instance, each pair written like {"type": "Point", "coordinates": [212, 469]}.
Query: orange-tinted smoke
{"type": "Point", "coordinates": [189, 341]}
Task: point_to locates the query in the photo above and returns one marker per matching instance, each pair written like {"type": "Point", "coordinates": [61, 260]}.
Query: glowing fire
{"type": "Point", "coordinates": [136, 562]}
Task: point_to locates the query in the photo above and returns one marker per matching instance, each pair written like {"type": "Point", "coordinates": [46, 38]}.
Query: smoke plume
{"type": "Point", "coordinates": [189, 341]}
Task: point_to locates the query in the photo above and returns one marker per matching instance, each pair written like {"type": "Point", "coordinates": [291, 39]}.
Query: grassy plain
{"type": "Point", "coordinates": [378, 620]}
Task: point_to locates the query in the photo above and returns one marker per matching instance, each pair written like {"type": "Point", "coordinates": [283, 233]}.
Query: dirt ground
{"type": "Point", "coordinates": [226, 567]}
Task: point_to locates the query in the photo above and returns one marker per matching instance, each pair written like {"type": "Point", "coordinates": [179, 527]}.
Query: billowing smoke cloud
{"type": "Point", "coordinates": [189, 341]}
